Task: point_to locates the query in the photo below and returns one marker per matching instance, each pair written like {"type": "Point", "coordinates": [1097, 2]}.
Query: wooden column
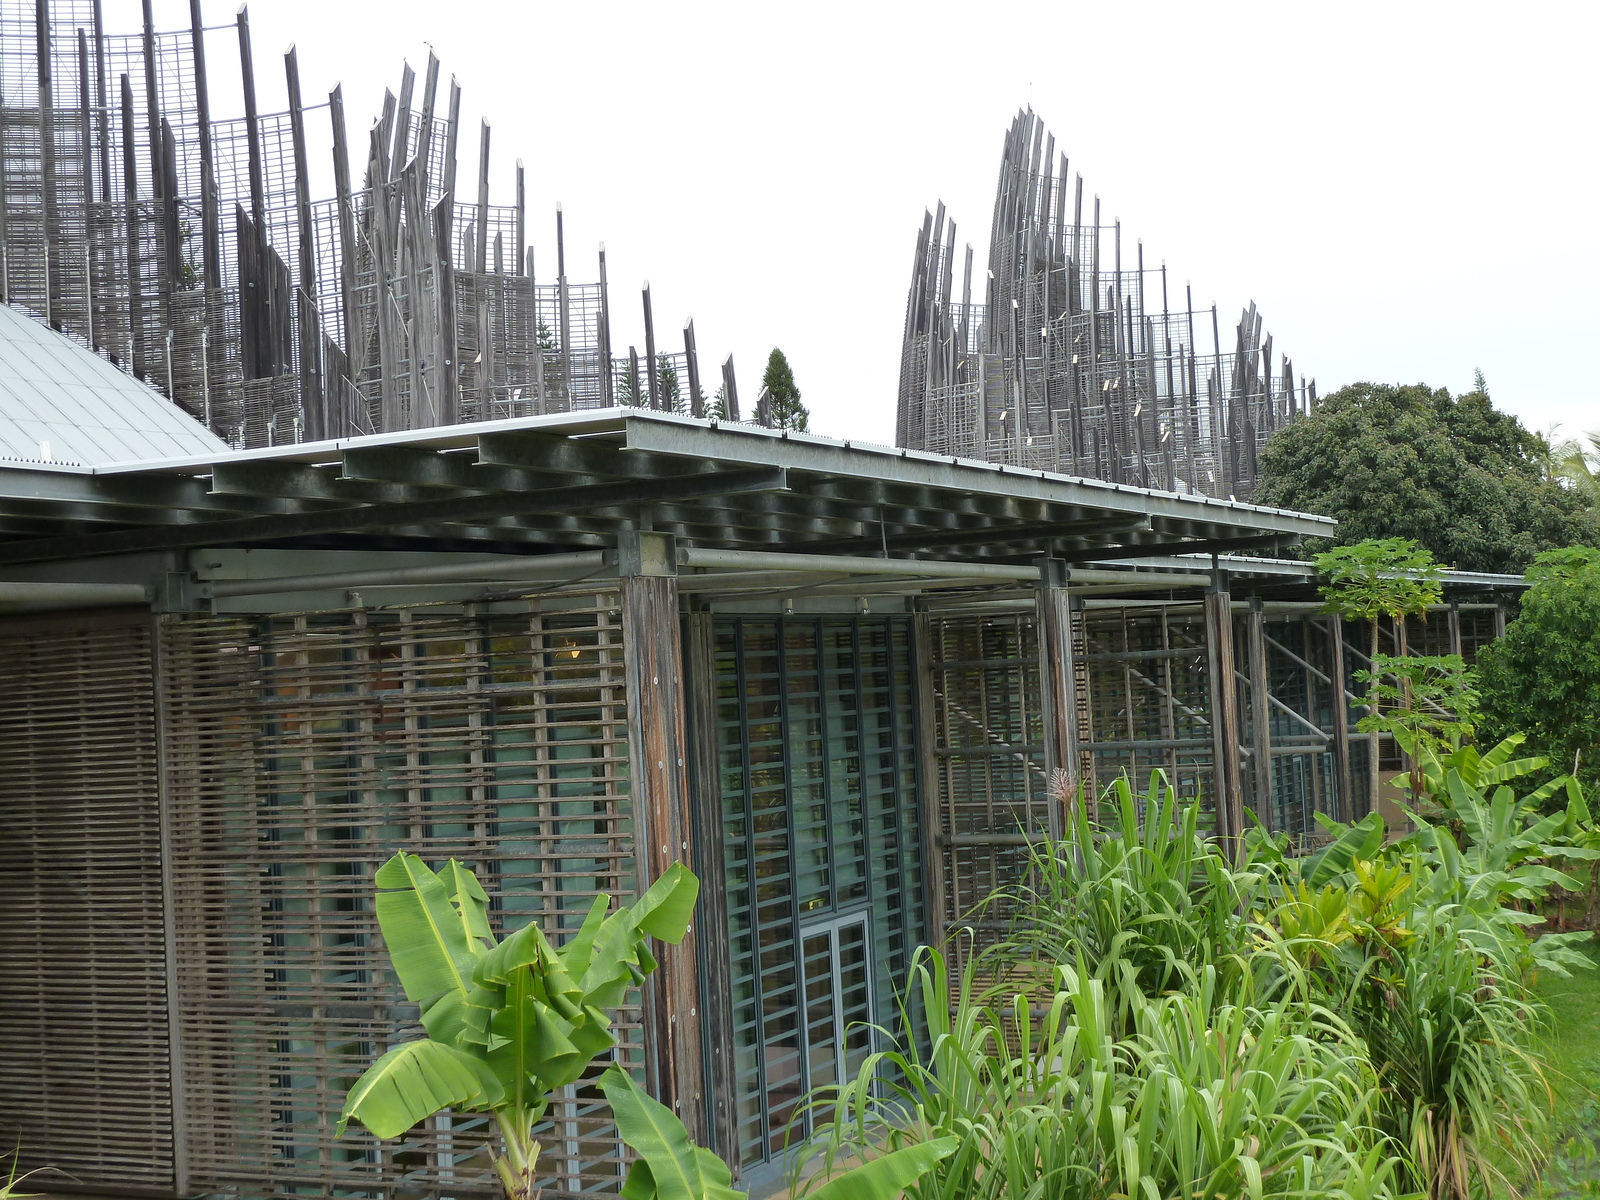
{"type": "Point", "coordinates": [1226, 783]}
{"type": "Point", "coordinates": [716, 967]}
{"type": "Point", "coordinates": [1455, 629]}
{"type": "Point", "coordinates": [1345, 809]}
{"type": "Point", "coordinates": [1057, 684]}
{"type": "Point", "coordinates": [1260, 716]}
{"type": "Point", "coordinates": [658, 758]}
{"type": "Point", "coordinates": [312, 406]}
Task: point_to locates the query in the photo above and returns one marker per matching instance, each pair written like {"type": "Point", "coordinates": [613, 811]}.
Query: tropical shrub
{"type": "Point", "coordinates": [1543, 676]}
{"type": "Point", "coordinates": [1143, 902]}
{"type": "Point", "coordinates": [1199, 1096]}
{"type": "Point", "coordinates": [1391, 975]}
{"type": "Point", "coordinates": [509, 1020]}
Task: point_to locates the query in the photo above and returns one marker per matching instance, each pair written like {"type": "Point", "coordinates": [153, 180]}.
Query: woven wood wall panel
{"type": "Point", "coordinates": [989, 782]}
{"type": "Point", "coordinates": [303, 752]}
{"type": "Point", "coordinates": [85, 1085]}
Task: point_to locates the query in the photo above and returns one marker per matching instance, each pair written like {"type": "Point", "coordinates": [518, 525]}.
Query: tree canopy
{"type": "Point", "coordinates": [783, 397]}
{"type": "Point", "coordinates": [1467, 482]}
{"type": "Point", "coordinates": [1543, 677]}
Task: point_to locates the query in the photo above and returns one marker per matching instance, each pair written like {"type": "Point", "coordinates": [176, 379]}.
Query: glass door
{"type": "Point", "coordinates": [838, 998]}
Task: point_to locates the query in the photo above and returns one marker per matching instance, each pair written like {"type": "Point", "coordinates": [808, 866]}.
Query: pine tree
{"type": "Point", "coordinates": [668, 394]}
{"type": "Point", "coordinates": [717, 406]}
{"type": "Point", "coordinates": [786, 411]}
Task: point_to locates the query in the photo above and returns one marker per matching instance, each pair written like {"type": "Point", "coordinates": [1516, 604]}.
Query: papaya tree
{"type": "Point", "coordinates": [510, 1020]}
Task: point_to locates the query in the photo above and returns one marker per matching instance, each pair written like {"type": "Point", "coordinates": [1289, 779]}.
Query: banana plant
{"type": "Point", "coordinates": [507, 1020]}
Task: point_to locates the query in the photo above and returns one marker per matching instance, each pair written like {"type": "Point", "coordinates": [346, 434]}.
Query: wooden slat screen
{"type": "Point", "coordinates": [987, 761]}
{"type": "Point", "coordinates": [303, 751]}
{"type": "Point", "coordinates": [85, 1085]}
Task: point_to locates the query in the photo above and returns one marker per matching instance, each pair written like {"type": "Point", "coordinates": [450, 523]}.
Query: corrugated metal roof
{"type": "Point", "coordinates": [62, 404]}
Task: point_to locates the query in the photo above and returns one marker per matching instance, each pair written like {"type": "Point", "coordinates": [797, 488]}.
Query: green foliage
{"type": "Point", "coordinates": [507, 1020]}
{"type": "Point", "coordinates": [786, 411]}
{"type": "Point", "coordinates": [1042, 1096]}
{"type": "Point", "coordinates": [671, 1167]}
{"type": "Point", "coordinates": [1451, 473]}
{"type": "Point", "coordinates": [1379, 577]}
{"type": "Point", "coordinates": [1373, 994]}
{"type": "Point", "coordinates": [717, 406]}
{"type": "Point", "coordinates": [1577, 466]}
{"type": "Point", "coordinates": [631, 389]}
{"type": "Point", "coordinates": [1151, 906]}
{"type": "Point", "coordinates": [1543, 676]}
{"type": "Point", "coordinates": [669, 396]}
{"type": "Point", "coordinates": [1425, 702]}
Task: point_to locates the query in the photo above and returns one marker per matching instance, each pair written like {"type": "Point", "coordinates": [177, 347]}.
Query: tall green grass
{"type": "Point", "coordinates": [1164, 1022]}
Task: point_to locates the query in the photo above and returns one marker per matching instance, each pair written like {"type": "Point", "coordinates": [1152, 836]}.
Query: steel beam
{"type": "Point", "coordinates": [584, 498]}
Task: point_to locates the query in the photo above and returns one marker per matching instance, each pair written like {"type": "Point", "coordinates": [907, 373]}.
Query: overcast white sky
{"type": "Point", "coordinates": [1407, 190]}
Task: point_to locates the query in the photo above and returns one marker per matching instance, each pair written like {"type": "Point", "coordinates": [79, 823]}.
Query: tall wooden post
{"type": "Point", "coordinates": [1346, 808]}
{"type": "Point", "coordinates": [1260, 716]}
{"type": "Point", "coordinates": [658, 757]}
{"type": "Point", "coordinates": [1455, 628]}
{"type": "Point", "coordinates": [312, 405]}
{"type": "Point", "coordinates": [1058, 686]}
{"type": "Point", "coordinates": [1226, 782]}
{"type": "Point", "coordinates": [716, 991]}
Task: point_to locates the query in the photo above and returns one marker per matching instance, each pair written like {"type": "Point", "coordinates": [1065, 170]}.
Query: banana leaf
{"type": "Point", "coordinates": [413, 1081]}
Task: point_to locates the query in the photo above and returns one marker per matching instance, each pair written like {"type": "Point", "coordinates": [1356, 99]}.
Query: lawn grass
{"type": "Point", "coordinates": [1571, 1048]}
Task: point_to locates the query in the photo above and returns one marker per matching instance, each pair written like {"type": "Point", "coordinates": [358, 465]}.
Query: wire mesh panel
{"type": "Point", "coordinates": [305, 750]}
{"type": "Point", "coordinates": [817, 756]}
{"type": "Point", "coordinates": [85, 1085]}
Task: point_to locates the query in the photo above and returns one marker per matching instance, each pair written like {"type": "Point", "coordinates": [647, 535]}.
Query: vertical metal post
{"type": "Point", "coordinates": [657, 742]}
{"type": "Point", "coordinates": [1260, 716]}
{"type": "Point", "coordinates": [1345, 809]}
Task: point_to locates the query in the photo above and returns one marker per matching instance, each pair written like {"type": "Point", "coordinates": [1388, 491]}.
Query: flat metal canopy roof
{"type": "Point", "coordinates": [576, 480]}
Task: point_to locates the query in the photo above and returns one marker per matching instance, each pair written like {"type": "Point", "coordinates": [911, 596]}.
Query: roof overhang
{"type": "Point", "coordinates": [560, 483]}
